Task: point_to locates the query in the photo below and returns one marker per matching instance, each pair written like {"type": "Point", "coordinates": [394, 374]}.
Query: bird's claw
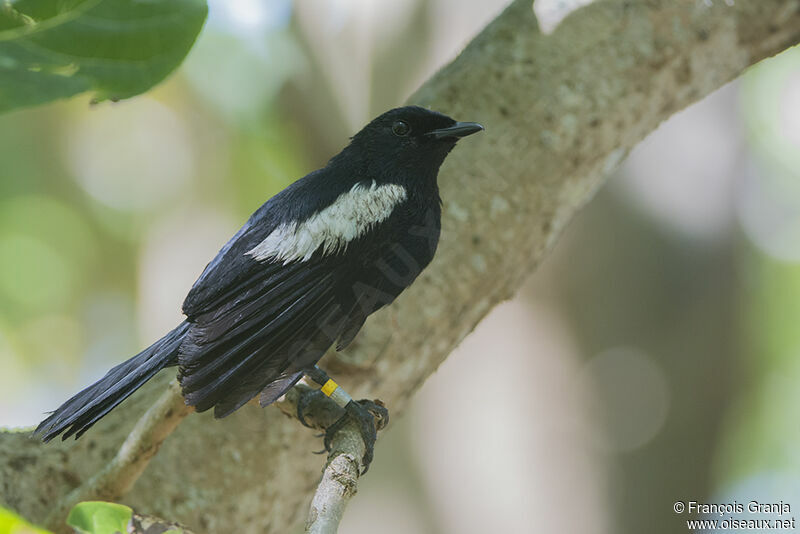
{"type": "Point", "coordinates": [305, 400]}
{"type": "Point", "coordinates": [371, 417]}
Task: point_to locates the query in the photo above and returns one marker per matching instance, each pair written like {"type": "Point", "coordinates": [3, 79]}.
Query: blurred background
{"type": "Point", "coordinates": [654, 357]}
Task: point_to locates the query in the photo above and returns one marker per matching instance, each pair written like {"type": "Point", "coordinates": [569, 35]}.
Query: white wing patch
{"type": "Point", "coordinates": [349, 216]}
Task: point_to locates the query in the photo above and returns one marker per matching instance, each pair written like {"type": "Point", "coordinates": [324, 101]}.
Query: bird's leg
{"type": "Point", "coordinates": [371, 416]}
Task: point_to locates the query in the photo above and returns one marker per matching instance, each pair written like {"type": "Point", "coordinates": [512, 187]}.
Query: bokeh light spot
{"type": "Point", "coordinates": [770, 105]}
{"type": "Point", "coordinates": [57, 339]}
{"type": "Point", "coordinates": [683, 173]}
{"type": "Point", "coordinates": [241, 81]}
{"type": "Point", "coordinates": [768, 200]}
{"type": "Point", "coordinates": [769, 213]}
{"type": "Point", "coordinates": [249, 15]}
{"type": "Point", "coordinates": [33, 274]}
{"type": "Point", "coordinates": [173, 255]}
{"type": "Point", "coordinates": [131, 156]}
{"type": "Point", "coordinates": [632, 397]}
{"type": "Point", "coordinates": [53, 222]}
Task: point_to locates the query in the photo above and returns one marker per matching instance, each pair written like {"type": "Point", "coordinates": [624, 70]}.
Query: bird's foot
{"type": "Point", "coordinates": [371, 416]}
{"type": "Point", "coordinates": [304, 403]}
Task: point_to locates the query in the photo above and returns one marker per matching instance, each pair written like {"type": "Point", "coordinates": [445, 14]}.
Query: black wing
{"type": "Point", "coordinates": [283, 318]}
{"type": "Point", "coordinates": [232, 267]}
{"type": "Point", "coordinates": [255, 323]}
{"type": "Point", "coordinates": [232, 271]}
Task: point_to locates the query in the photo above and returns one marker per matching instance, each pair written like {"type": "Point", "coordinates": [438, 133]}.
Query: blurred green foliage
{"type": "Point", "coordinates": [89, 517]}
{"type": "Point", "coordinates": [11, 523]}
{"type": "Point", "coordinates": [761, 428]}
{"type": "Point", "coordinates": [51, 49]}
{"type": "Point", "coordinates": [98, 517]}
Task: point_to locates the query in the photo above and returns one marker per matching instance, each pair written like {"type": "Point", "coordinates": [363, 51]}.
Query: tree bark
{"type": "Point", "coordinates": [561, 111]}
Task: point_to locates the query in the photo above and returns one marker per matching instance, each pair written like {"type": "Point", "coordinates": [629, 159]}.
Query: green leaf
{"type": "Point", "coordinates": [52, 49]}
{"type": "Point", "coordinates": [11, 523]}
{"type": "Point", "coordinates": [96, 517]}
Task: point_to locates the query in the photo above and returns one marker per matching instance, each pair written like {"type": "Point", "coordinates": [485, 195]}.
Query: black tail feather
{"type": "Point", "coordinates": [84, 409]}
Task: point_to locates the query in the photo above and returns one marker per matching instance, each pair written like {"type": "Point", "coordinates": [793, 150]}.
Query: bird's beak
{"type": "Point", "coordinates": [459, 129]}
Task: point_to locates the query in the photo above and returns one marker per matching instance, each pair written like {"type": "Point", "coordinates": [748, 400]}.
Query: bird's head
{"type": "Point", "coordinates": [411, 138]}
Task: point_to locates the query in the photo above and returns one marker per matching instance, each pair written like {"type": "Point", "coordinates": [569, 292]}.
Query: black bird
{"type": "Point", "coordinates": [304, 272]}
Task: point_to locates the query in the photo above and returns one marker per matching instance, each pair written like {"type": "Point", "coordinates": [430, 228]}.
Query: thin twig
{"type": "Point", "coordinates": [120, 474]}
{"type": "Point", "coordinates": [345, 459]}
{"type": "Point", "coordinates": [339, 481]}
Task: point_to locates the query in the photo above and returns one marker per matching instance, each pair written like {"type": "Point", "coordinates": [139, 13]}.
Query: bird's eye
{"type": "Point", "coordinates": [400, 128]}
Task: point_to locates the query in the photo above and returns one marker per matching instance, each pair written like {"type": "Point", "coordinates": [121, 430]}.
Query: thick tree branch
{"type": "Point", "coordinates": [561, 110]}
{"type": "Point", "coordinates": [118, 476]}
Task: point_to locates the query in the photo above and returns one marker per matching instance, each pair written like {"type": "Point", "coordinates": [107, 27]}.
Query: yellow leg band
{"type": "Point", "coordinates": [336, 394]}
{"type": "Point", "coordinates": [329, 387]}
